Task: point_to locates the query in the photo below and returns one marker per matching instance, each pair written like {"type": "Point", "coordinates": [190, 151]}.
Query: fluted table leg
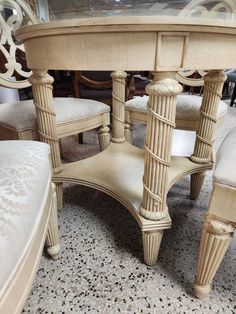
{"type": "Point", "coordinates": [118, 106]}
{"type": "Point", "coordinates": [162, 93]}
{"type": "Point", "coordinates": [213, 85]}
{"type": "Point", "coordinates": [215, 240]}
{"type": "Point", "coordinates": [46, 122]}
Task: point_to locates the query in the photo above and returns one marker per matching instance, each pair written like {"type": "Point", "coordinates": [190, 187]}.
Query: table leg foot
{"type": "Point", "coordinates": [151, 245]}
{"type": "Point", "coordinates": [196, 185]}
{"type": "Point", "coordinates": [201, 291]}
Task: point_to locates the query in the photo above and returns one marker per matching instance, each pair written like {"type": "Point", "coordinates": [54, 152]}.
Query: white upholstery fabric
{"type": "Point", "coordinates": [21, 115]}
{"type": "Point", "coordinates": [225, 169]}
{"type": "Point", "coordinates": [187, 106]}
{"type": "Point", "coordinates": [25, 178]}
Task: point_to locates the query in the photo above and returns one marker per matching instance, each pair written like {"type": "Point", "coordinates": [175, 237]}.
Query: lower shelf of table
{"type": "Point", "coordinates": [118, 171]}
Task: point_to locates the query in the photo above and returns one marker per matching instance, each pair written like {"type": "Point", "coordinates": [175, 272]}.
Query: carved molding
{"type": "Point", "coordinates": [21, 15]}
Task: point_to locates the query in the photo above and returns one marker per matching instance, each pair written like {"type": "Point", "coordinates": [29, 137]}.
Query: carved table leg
{"type": "Point", "coordinates": [215, 240]}
{"type": "Point", "coordinates": [118, 106]}
{"type": "Point", "coordinates": [162, 93]}
{"type": "Point", "coordinates": [52, 239]}
{"type": "Point", "coordinates": [46, 122]}
{"type": "Point", "coordinates": [213, 85]}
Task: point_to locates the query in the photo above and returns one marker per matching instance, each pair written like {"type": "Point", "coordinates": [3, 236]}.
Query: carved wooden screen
{"type": "Point", "coordinates": [13, 14]}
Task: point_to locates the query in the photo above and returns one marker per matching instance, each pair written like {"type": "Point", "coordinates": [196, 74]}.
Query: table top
{"type": "Point", "coordinates": [130, 43]}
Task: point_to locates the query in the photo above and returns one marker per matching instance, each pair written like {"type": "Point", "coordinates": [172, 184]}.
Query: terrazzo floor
{"type": "Point", "coordinates": [101, 268]}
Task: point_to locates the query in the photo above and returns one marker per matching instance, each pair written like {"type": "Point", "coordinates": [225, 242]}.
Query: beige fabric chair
{"type": "Point", "coordinates": [28, 216]}
{"type": "Point", "coordinates": [188, 109]}
{"type": "Point", "coordinates": [18, 120]}
{"type": "Point", "coordinates": [220, 221]}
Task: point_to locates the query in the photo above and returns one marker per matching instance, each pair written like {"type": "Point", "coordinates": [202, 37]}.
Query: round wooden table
{"type": "Point", "coordinates": [139, 179]}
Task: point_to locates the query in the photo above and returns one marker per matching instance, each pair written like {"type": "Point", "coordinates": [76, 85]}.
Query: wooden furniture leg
{"type": "Point", "coordinates": [215, 240]}
{"type": "Point", "coordinates": [128, 127]}
{"type": "Point", "coordinates": [233, 96]}
{"type": "Point", "coordinates": [52, 238]}
{"type": "Point", "coordinates": [162, 93]}
{"type": "Point", "coordinates": [213, 85]}
{"type": "Point", "coordinates": [43, 100]}
{"type": "Point", "coordinates": [118, 106]}
{"type": "Point", "coordinates": [104, 134]}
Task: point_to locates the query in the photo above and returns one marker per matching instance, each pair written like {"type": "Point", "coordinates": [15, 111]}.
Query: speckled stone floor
{"type": "Point", "coordinates": [101, 267]}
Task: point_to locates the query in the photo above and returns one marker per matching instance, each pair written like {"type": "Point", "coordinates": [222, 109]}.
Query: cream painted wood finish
{"type": "Point", "coordinates": [217, 234]}
{"type": "Point", "coordinates": [162, 45]}
{"type": "Point", "coordinates": [17, 292]}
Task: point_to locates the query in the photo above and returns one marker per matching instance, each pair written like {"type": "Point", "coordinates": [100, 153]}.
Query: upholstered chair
{"type": "Point", "coordinates": [220, 221]}
{"type": "Point", "coordinates": [28, 218]}
{"type": "Point", "coordinates": [188, 108]}
{"type": "Point", "coordinates": [231, 78]}
{"type": "Point", "coordinates": [18, 119]}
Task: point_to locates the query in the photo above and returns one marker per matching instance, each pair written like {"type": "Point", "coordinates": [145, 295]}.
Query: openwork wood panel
{"type": "Point", "coordinates": [13, 15]}
{"type": "Point", "coordinates": [210, 8]}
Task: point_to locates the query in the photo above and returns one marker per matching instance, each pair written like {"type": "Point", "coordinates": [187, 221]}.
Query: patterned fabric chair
{"type": "Point", "coordinates": [18, 119]}
{"type": "Point", "coordinates": [220, 221]}
{"type": "Point", "coordinates": [188, 108]}
{"type": "Point", "coordinates": [28, 216]}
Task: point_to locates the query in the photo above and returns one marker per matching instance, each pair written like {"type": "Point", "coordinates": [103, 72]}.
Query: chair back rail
{"type": "Point", "coordinates": [13, 15]}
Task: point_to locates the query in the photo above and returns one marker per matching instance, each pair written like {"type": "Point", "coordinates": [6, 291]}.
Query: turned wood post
{"type": "Point", "coordinates": [215, 240]}
{"type": "Point", "coordinates": [213, 85]}
{"type": "Point", "coordinates": [162, 93]}
{"type": "Point", "coordinates": [52, 238]}
{"type": "Point", "coordinates": [118, 106]}
{"type": "Point", "coordinates": [46, 122]}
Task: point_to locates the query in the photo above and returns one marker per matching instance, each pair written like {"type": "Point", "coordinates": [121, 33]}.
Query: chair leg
{"type": "Point", "coordinates": [128, 132]}
{"type": "Point", "coordinates": [52, 239]}
{"type": "Point", "coordinates": [196, 184]}
{"type": "Point", "coordinates": [215, 240]}
{"type": "Point", "coordinates": [59, 194]}
{"type": "Point", "coordinates": [233, 96]}
{"type": "Point", "coordinates": [151, 245]}
{"type": "Point", "coordinates": [104, 137]}
{"type": "Point", "coordinates": [80, 138]}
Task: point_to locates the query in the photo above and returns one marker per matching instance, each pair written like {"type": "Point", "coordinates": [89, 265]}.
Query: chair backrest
{"type": "Point", "coordinates": [13, 14]}
{"type": "Point", "coordinates": [210, 8]}
{"type": "Point", "coordinates": [96, 85]}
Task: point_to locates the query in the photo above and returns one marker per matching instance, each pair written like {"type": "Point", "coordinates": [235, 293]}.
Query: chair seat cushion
{"type": "Point", "coordinates": [225, 170]}
{"type": "Point", "coordinates": [25, 178]}
{"type": "Point", "coordinates": [21, 115]}
{"type": "Point", "coordinates": [187, 106]}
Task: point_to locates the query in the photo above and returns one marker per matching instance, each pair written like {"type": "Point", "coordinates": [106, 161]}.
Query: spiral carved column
{"type": "Point", "coordinates": [42, 91]}
{"type": "Point", "coordinates": [118, 106]}
{"type": "Point", "coordinates": [46, 120]}
{"type": "Point", "coordinates": [52, 239]}
{"type": "Point", "coordinates": [215, 240]}
{"type": "Point", "coordinates": [213, 85]}
{"type": "Point", "coordinates": [162, 93]}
